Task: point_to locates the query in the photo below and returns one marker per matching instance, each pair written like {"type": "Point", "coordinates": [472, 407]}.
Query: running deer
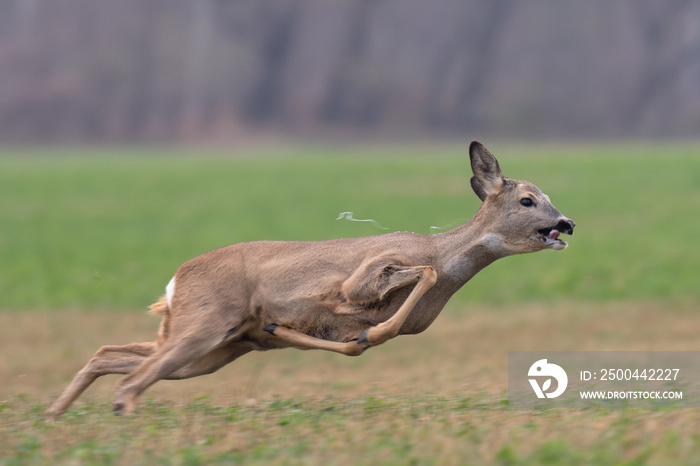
{"type": "Point", "coordinates": [342, 295]}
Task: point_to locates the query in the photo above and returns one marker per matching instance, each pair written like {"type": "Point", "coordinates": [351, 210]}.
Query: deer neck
{"type": "Point", "coordinates": [468, 249]}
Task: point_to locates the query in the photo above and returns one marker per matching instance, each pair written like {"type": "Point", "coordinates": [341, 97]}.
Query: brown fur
{"type": "Point", "coordinates": [342, 295]}
{"type": "Point", "coordinates": [161, 307]}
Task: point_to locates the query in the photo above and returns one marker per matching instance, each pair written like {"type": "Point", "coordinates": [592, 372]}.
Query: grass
{"type": "Point", "coordinates": [106, 229]}
{"type": "Point", "coordinates": [435, 398]}
{"type": "Point", "coordinates": [437, 430]}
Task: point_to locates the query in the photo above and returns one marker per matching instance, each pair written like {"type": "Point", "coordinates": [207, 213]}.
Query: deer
{"type": "Point", "coordinates": [341, 295]}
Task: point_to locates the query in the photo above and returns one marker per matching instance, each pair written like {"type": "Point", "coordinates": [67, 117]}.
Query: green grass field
{"type": "Point", "coordinates": [90, 237]}
{"type": "Point", "coordinates": [99, 229]}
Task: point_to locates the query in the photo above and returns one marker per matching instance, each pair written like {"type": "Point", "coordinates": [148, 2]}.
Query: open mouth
{"type": "Point", "coordinates": [550, 235]}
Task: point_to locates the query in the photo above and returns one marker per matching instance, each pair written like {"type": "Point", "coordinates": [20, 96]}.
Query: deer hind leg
{"type": "Point", "coordinates": [178, 358]}
{"type": "Point", "coordinates": [107, 360]}
{"type": "Point", "coordinates": [208, 363]}
{"type": "Point", "coordinates": [424, 278]}
{"type": "Point", "coordinates": [211, 362]}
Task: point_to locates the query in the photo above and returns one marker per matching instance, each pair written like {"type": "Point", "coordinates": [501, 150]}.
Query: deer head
{"type": "Point", "coordinates": [517, 212]}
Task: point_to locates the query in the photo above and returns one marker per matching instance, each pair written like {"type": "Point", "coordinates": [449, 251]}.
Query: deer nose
{"type": "Point", "coordinates": [566, 226]}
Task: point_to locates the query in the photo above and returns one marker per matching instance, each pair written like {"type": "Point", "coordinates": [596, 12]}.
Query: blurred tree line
{"type": "Point", "coordinates": [157, 70]}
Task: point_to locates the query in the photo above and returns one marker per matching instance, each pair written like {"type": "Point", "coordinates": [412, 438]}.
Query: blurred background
{"type": "Point", "coordinates": [136, 134]}
{"type": "Point", "coordinates": [214, 70]}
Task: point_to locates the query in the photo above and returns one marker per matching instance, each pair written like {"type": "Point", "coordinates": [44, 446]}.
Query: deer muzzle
{"type": "Point", "coordinates": [550, 235]}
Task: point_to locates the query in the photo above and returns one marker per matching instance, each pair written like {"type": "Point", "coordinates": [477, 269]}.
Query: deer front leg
{"type": "Point", "coordinates": [390, 328]}
{"type": "Point", "coordinates": [372, 287]}
{"type": "Point", "coordinates": [304, 341]}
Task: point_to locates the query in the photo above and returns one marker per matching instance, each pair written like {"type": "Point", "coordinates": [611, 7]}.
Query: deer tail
{"type": "Point", "coordinates": [161, 307]}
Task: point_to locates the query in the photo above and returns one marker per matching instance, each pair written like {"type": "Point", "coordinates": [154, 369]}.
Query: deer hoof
{"type": "Point", "coordinates": [363, 340]}
{"type": "Point", "coordinates": [271, 328]}
{"type": "Point", "coordinates": [118, 409]}
{"type": "Point", "coordinates": [51, 415]}
{"type": "Point", "coordinates": [121, 408]}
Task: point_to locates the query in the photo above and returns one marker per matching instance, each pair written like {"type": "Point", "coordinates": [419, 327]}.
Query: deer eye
{"type": "Point", "coordinates": [526, 201]}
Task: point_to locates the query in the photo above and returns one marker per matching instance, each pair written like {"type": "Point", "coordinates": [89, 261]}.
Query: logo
{"type": "Point", "coordinates": [542, 369]}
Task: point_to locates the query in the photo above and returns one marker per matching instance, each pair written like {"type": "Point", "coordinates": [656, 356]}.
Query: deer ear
{"type": "Point", "coordinates": [488, 177]}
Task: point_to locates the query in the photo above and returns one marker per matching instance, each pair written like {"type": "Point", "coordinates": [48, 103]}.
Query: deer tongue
{"type": "Point", "coordinates": [554, 234]}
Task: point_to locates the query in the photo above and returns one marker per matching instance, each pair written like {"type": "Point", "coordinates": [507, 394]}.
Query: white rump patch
{"type": "Point", "coordinates": [170, 291]}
